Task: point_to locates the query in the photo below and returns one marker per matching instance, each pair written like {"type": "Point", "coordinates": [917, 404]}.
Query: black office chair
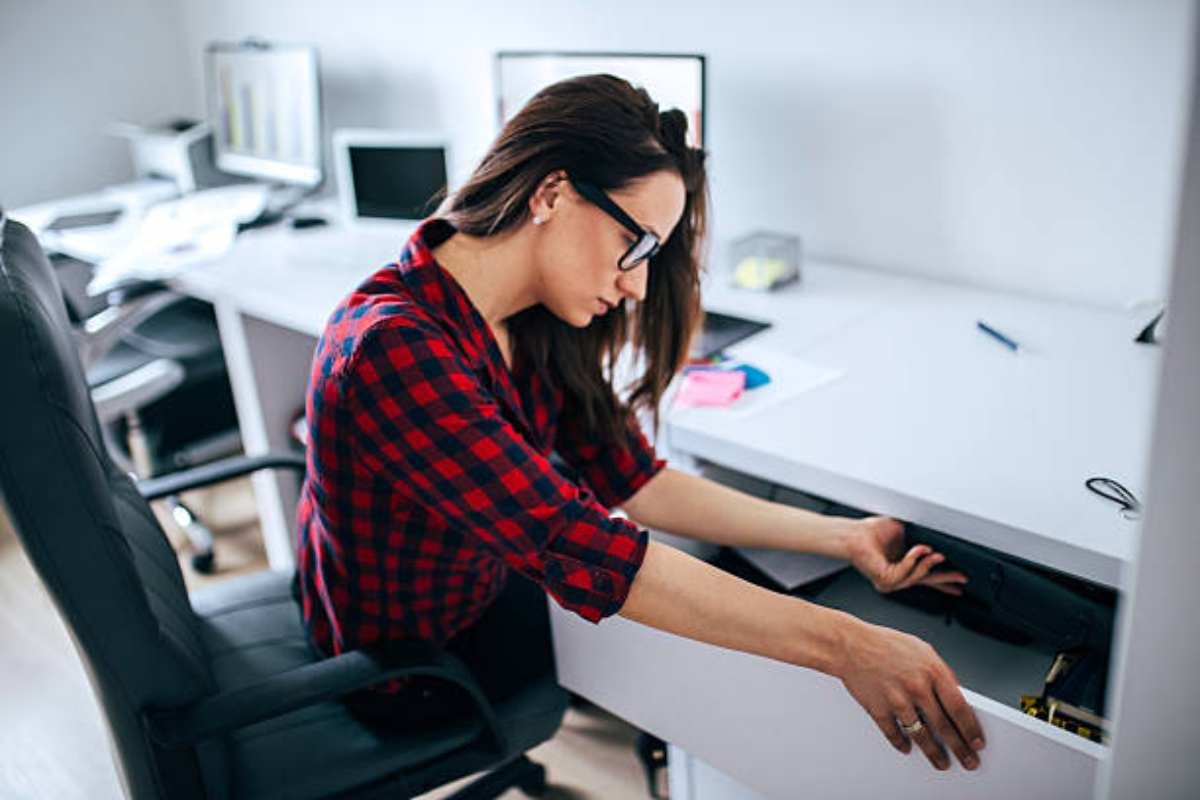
{"type": "Point", "coordinates": [218, 695]}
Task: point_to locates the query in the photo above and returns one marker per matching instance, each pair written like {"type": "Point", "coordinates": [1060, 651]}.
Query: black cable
{"type": "Point", "coordinates": [1114, 491]}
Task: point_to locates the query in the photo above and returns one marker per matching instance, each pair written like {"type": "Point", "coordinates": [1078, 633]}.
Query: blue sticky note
{"type": "Point", "coordinates": [755, 377]}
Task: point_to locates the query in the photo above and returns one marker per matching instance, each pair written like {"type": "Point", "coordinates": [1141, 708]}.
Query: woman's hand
{"type": "Point", "coordinates": [876, 549]}
{"type": "Point", "coordinates": [892, 675]}
{"type": "Point", "coordinates": [901, 681]}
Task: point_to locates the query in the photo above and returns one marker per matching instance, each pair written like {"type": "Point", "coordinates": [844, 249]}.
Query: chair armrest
{"type": "Point", "coordinates": [311, 684]}
{"type": "Point", "coordinates": [133, 288]}
{"type": "Point", "coordinates": [217, 472]}
{"type": "Point", "coordinates": [101, 332]}
{"type": "Point", "coordinates": [136, 389]}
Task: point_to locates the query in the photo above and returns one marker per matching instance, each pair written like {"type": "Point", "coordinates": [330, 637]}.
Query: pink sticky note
{"type": "Point", "coordinates": [711, 387]}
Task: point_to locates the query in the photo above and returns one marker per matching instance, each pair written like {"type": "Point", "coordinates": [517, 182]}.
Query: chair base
{"type": "Point", "coordinates": [521, 773]}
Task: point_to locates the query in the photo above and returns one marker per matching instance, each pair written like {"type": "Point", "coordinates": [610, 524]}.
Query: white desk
{"type": "Point", "coordinates": [932, 422]}
{"type": "Point", "coordinates": [935, 423]}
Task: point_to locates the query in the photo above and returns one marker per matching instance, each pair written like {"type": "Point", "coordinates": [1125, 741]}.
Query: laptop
{"type": "Point", "coordinates": [721, 331]}
{"type": "Point", "coordinates": [389, 179]}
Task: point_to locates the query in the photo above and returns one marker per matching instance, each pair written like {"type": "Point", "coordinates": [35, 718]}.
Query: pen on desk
{"type": "Point", "coordinates": [997, 335]}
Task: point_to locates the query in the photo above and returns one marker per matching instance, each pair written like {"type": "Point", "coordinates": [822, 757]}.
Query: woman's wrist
{"type": "Point", "coordinates": [833, 537]}
{"type": "Point", "coordinates": [823, 638]}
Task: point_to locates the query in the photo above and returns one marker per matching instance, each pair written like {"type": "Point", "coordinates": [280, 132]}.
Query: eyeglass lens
{"type": "Point", "coordinates": [643, 249]}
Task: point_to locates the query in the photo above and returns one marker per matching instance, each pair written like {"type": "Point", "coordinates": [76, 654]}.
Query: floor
{"type": "Point", "coordinates": [53, 743]}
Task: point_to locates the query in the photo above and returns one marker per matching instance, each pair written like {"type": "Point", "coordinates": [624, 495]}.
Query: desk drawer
{"type": "Point", "coordinates": [788, 732]}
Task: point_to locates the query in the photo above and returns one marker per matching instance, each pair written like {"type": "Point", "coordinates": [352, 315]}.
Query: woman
{"type": "Point", "coordinates": [463, 427]}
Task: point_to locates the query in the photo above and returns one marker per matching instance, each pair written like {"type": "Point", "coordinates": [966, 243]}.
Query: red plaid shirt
{"type": "Point", "coordinates": [429, 472]}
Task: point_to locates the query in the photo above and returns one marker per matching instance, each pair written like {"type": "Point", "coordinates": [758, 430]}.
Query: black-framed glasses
{"type": "Point", "coordinates": [647, 244]}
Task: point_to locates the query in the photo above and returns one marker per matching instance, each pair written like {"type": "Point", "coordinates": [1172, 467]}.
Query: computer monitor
{"type": "Point", "coordinates": [673, 80]}
{"type": "Point", "coordinates": [265, 108]}
{"type": "Point", "coordinates": [389, 176]}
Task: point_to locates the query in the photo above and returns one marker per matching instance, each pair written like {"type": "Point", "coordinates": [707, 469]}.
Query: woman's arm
{"type": "Point", "coordinates": [894, 676]}
{"type": "Point", "coordinates": [698, 508]}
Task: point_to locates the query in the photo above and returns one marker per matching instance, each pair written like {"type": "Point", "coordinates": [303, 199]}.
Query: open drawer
{"type": "Point", "coordinates": [788, 732]}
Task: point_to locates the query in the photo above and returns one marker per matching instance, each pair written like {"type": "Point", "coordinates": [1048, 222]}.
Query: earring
{"type": "Point", "coordinates": [538, 220]}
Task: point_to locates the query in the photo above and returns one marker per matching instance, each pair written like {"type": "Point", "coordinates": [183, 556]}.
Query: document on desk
{"type": "Point", "coordinates": [174, 235]}
{"type": "Point", "coordinates": [790, 377]}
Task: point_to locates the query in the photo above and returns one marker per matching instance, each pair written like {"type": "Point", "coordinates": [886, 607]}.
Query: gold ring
{"type": "Point", "coordinates": [915, 727]}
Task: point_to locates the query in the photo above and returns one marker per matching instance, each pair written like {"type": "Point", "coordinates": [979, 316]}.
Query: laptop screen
{"type": "Point", "coordinates": [721, 331]}
{"type": "Point", "coordinates": [396, 182]}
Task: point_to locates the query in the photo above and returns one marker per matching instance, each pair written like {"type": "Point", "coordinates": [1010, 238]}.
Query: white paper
{"type": "Point", "coordinates": [172, 236]}
{"type": "Point", "coordinates": [790, 377]}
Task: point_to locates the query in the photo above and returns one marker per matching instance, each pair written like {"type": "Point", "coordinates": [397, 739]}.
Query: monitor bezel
{"type": "Point", "coordinates": [308, 176]}
{"type": "Point", "coordinates": [346, 138]}
{"type": "Point", "coordinates": [498, 95]}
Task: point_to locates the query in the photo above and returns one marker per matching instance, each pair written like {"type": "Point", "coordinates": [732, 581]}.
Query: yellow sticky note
{"type": "Point", "coordinates": [756, 272]}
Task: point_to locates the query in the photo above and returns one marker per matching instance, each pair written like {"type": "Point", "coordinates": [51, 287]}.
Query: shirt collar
{"type": "Point", "coordinates": [430, 285]}
{"type": "Point", "coordinates": [433, 287]}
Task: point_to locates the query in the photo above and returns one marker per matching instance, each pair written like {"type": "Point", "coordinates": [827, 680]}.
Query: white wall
{"type": "Point", "coordinates": [68, 69]}
{"type": "Point", "coordinates": [1027, 145]}
{"type": "Point", "coordinates": [1024, 145]}
{"type": "Point", "coordinates": [1156, 705]}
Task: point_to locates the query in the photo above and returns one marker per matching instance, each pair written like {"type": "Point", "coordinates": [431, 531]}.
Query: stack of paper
{"type": "Point", "coordinates": [170, 236]}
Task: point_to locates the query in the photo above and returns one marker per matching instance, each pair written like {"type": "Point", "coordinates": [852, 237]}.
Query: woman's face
{"type": "Point", "coordinates": [578, 244]}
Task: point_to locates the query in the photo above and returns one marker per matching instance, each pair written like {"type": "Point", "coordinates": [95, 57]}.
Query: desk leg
{"type": "Point", "coordinates": [268, 371]}
{"type": "Point", "coordinates": [693, 779]}
{"type": "Point", "coordinates": [679, 774]}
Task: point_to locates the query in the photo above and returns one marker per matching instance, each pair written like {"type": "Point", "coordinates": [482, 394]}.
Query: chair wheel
{"type": "Point", "coordinates": [534, 782]}
{"type": "Point", "coordinates": [204, 563]}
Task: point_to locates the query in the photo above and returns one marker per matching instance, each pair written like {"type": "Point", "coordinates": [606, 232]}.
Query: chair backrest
{"type": "Point", "coordinates": [91, 537]}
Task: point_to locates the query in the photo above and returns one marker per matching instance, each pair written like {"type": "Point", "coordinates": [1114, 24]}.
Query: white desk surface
{"type": "Point", "coordinates": [936, 423]}
{"type": "Point", "coordinates": [290, 277]}
{"type": "Point", "coordinates": [293, 278]}
{"type": "Point", "coordinates": [933, 422]}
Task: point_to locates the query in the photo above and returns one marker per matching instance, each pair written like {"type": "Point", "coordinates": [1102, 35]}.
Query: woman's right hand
{"type": "Point", "coordinates": [899, 679]}
{"type": "Point", "coordinates": [890, 673]}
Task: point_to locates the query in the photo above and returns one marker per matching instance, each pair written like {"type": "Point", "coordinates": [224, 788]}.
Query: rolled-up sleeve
{"type": "Point", "coordinates": [423, 422]}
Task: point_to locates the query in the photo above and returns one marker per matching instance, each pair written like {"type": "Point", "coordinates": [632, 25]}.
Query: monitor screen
{"type": "Point", "coordinates": [395, 181]}
{"type": "Point", "coordinates": [673, 81]}
{"type": "Point", "coordinates": [264, 104]}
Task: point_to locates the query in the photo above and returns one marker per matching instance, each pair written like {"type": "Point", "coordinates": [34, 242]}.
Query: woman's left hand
{"type": "Point", "coordinates": [876, 549]}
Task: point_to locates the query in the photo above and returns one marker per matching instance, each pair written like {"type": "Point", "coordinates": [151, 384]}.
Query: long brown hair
{"type": "Point", "coordinates": [600, 129]}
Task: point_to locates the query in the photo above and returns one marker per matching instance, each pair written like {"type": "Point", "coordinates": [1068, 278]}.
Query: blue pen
{"type": "Point", "coordinates": [997, 335]}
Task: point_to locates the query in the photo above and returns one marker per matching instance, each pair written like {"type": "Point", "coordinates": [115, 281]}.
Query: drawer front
{"type": "Point", "coordinates": [788, 732]}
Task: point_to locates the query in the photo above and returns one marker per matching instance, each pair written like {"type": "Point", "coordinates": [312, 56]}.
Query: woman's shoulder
{"type": "Point", "coordinates": [406, 325]}
{"type": "Point", "coordinates": [374, 327]}
{"type": "Point", "coordinates": [394, 322]}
